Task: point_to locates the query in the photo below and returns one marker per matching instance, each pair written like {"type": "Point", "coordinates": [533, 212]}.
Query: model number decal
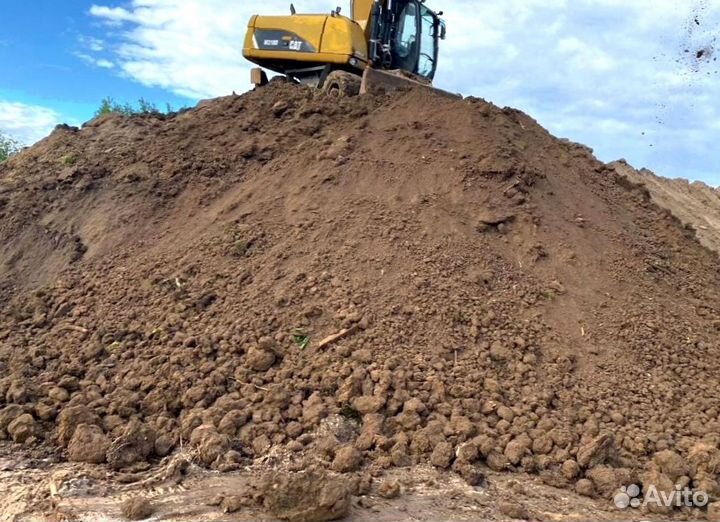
{"type": "Point", "coordinates": [274, 40]}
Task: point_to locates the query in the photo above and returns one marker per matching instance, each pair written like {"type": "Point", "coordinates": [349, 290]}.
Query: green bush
{"type": "Point", "coordinates": [109, 105]}
{"type": "Point", "coordinates": [8, 147]}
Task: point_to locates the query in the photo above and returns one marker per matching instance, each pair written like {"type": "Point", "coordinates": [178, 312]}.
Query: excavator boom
{"type": "Point", "coordinates": [361, 12]}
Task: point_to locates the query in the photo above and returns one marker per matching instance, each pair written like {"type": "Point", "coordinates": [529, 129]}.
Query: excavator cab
{"type": "Point", "coordinates": [410, 35]}
{"type": "Point", "coordinates": [389, 42]}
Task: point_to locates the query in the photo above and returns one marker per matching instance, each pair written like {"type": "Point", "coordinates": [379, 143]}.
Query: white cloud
{"type": "Point", "coordinates": [610, 73]}
{"type": "Point", "coordinates": [585, 56]}
{"type": "Point", "coordinates": [192, 48]}
{"type": "Point", "coordinates": [91, 43]}
{"type": "Point", "coordinates": [26, 123]}
{"type": "Point", "coordinates": [103, 63]}
{"type": "Point", "coordinates": [112, 14]}
{"type": "Point", "coordinates": [90, 53]}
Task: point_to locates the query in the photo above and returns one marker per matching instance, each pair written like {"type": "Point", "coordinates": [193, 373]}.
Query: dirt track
{"type": "Point", "coordinates": [358, 287]}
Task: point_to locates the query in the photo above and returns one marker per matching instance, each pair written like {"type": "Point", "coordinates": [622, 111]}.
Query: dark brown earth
{"type": "Point", "coordinates": [358, 286]}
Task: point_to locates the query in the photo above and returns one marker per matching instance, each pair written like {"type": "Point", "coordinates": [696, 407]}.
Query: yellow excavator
{"type": "Point", "coordinates": [385, 44]}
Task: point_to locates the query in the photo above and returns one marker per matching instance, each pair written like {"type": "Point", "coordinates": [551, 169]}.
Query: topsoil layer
{"type": "Point", "coordinates": [377, 282]}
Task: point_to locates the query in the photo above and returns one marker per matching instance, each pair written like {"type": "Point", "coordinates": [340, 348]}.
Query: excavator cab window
{"type": "Point", "coordinates": [416, 38]}
{"type": "Point", "coordinates": [428, 43]}
{"type": "Point", "coordinates": [406, 37]}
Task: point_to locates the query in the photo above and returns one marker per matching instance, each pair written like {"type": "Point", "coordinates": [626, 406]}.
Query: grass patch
{"type": "Point", "coordinates": [300, 339]}
{"type": "Point", "coordinates": [240, 248]}
{"type": "Point", "coordinates": [548, 295]}
{"type": "Point", "coordinates": [69, 160]}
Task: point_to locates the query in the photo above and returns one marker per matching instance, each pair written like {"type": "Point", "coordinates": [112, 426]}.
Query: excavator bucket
{"type": "Point", "coordinates": [376, 81]}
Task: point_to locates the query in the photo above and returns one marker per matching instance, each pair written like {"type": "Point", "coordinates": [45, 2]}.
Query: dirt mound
{"type": "Point", "coordinates": [695, 204]}
{"type": "Point", "coordinates": [359, 285]}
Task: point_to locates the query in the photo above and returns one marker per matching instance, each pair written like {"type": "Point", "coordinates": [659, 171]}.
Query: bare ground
{"type": "Point", "coordinates": [45, 491]}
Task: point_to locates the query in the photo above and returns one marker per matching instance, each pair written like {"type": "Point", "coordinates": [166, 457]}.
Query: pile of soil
{"type": "Point", "coordinates": [695, 204]}
{"type": "Point", "coordinates": [355, 285]}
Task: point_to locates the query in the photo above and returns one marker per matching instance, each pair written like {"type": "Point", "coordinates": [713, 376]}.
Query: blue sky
{"type": "Point", "coordinates": [49, 50]}
{"type": "Point", "coordinates": [621, 76]}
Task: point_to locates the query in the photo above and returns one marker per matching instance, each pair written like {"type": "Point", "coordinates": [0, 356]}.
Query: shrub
{"type": "Point", "coordinates": [109, 105]}
{"type": "Point", "coordinates": [8, 147]}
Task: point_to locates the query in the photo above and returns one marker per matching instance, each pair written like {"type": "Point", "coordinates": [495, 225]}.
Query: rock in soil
{"type": "Point", "coordinates": [513, 510]}
{"type": "Point", "coordinates": [596, 451]}
{"type": "Point", "coordinates": [136, 444]}
{"type": "Point", "coordinates": [713, 512]}
{"type": "Point", "coordinates": [22, 428]}
{"type": "Point", "coordinates": [585, 487]}
{"type": "Point", "coordinates": [671, 464]}
{"type": "Point", "coordinates": [233, 503]}
{"type": "Point", "coordinates": [88, 444]}
{"type": "Point", "coordinates": [70, 418]}
{"type": "Point", "coordinates": [306, 497]}
{"type": "Point", "coordinates": [442, 455]}
{"type": "Point", "coordinates": [389, 489]}
{"type": "Point", "coordinates": [347, 459]}
{"type": "Point", "coordinates": [136, 508]}
{"type": "Point", "coordinates": [654, 477]}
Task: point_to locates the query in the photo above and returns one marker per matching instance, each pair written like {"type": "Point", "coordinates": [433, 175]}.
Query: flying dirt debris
{"type": "Point", "coordinates": [255, 286]}
{"type": "Point", "coordinates": [384, 45]}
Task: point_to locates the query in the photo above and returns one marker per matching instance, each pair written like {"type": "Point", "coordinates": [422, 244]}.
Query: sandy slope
{"type": "Point", "coordinates": [694, 203]}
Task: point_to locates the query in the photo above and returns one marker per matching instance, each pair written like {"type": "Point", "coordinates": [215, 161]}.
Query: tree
{"type": "Point", "coordinates": [8, 147]}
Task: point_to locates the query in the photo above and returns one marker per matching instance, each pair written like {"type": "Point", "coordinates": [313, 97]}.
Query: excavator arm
{"type": "Point", "coordinates": [361, 12]}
